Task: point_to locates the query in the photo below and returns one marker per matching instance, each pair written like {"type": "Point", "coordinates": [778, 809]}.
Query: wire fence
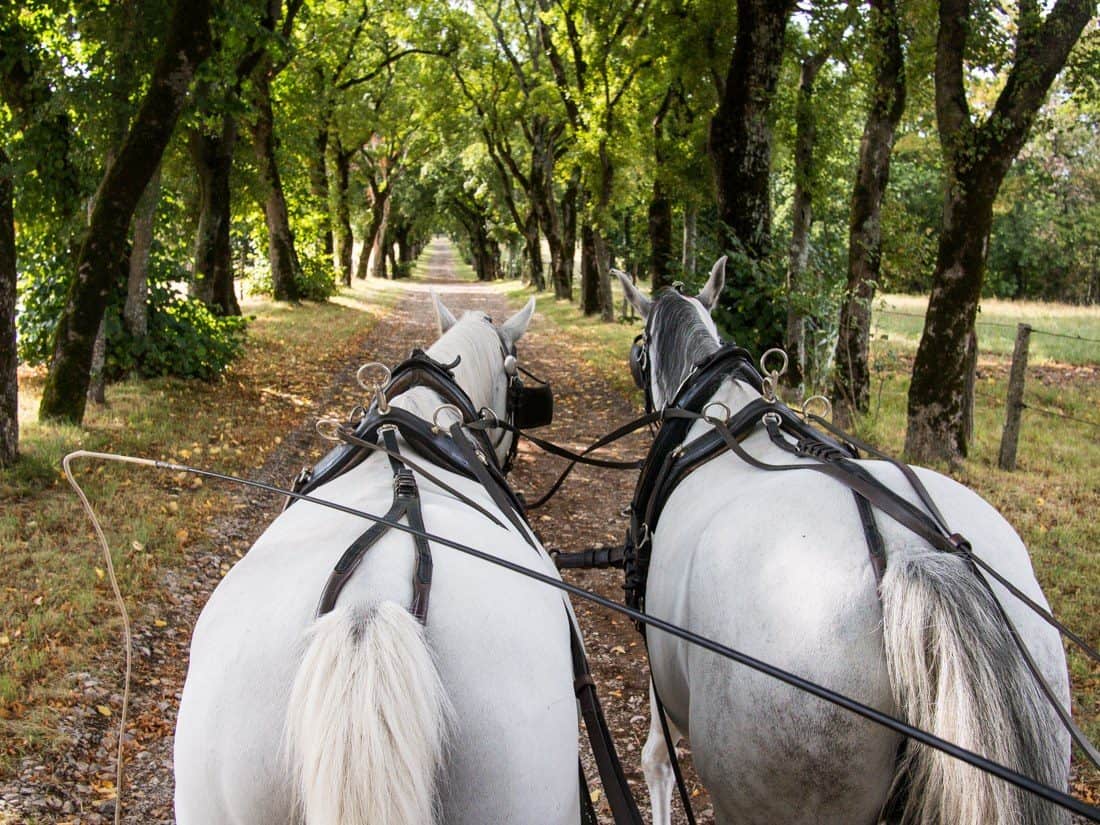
{"type": "Point", "coordinates": [1001, 324]}
{"type": "Point", "coordinates": [1016, 400]}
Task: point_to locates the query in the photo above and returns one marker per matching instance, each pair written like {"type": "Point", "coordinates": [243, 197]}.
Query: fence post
{"type": "Point", "coordinates": [1014, 403]}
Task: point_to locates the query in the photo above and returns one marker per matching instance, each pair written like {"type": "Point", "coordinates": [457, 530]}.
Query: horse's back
{"type": "Point", "coordinates": [499, 642]}
{"type": "Point", "coordinates": [777, 566]}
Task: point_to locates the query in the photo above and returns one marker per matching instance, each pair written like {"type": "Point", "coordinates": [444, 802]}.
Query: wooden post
{"type": "Point", "coordinates": [1014, 404]}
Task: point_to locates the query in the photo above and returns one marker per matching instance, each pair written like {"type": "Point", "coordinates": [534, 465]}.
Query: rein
{"type": "Point", "coordinates": [1009, 775]}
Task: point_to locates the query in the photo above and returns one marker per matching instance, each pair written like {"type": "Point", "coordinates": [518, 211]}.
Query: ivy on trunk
{"type": "Point", "coordinates": [103, 251]}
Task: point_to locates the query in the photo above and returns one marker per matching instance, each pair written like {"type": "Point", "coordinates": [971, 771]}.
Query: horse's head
{"type": "Point", "coordinates": [487, 360]}
{"type": "Point", "coordinates": [679, 333]}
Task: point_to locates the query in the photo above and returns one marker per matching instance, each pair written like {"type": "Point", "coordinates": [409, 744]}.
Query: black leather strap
{"type": "Point", "coordinates": [619, 798]}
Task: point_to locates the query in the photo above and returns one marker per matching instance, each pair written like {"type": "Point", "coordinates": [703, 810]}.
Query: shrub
{"type": "Point", "coordinates": [185, 339]}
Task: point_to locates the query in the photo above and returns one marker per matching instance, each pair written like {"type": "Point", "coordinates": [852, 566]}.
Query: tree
{"type": "Point", "coordinates": [103, 251]}
{"type": "Point", "coordinates": [9, 380]}
{"type": "Point", "coordinates": [827, 31]}
{"type": "Point", "coordinates": [606, 43]}
{"type": "Point", "coordinates": [851, 381]}
{"type": "Point", "coordinates": [741, 150]}
{"type": "Point", "coordinates": [977, 153]}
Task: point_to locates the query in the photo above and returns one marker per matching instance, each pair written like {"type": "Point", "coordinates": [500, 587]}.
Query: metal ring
{"type": "Point", "coordinates": [329, 429]}
{"type": "Point", "coordinates": [487, 414]}
{"type": "Point", "coordinates": [764, 358]}
{"type": "Point", "coordinates": [819, 400]}
{"type": "Point", "coordinates": [357, 414]}
{"type": "Point", "coordinates": [771, 418]}
{"type": "Point", "coordinates": [712, 419]}
{"type": "Point", "coordinates": [372, 385]}
{"type": "Point", "coordinates": [767, 389]}
{"type": "Point", "coordinates": [435, 416]}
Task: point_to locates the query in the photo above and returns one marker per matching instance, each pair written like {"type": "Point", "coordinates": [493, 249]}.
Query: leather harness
{"type": "Point", "coordinates": [466, 451]}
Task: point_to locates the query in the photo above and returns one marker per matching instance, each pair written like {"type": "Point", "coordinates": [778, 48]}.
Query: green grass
{"type": "Point", "coordinates": [1054, 495]}
{"type": "Point", "coordinates": [56, 613]}
{"type": "Point", "coordinates": [901, 318]}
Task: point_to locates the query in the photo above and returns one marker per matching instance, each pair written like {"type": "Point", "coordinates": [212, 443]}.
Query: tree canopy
{"type": "Point", "coordinates": [308, 142]}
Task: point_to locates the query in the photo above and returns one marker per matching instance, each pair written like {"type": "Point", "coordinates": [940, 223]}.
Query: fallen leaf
{"type": "Point", "coordinates": [103, 710]}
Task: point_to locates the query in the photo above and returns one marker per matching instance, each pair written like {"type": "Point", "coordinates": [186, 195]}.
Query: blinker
{"type": "Point", "coordinates": [638, 362]}
{"type": "Point", "coordinates": [532, 406]}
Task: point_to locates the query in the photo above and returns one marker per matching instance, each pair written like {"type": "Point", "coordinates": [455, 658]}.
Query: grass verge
{"type": "Point", "coordinates": [57, 617]}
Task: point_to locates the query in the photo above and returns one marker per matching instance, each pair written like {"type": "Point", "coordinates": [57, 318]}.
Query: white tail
{"type": "Point", "coordinates": [956, 672]}
{"type": "Point", "coordinates": [367, 721]}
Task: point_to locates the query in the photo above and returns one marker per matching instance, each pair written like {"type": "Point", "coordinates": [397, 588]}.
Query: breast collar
{"type": "Point", "coordinates": [434, 443]}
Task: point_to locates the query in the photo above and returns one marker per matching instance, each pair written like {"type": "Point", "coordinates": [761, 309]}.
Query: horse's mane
{"type": "Point", "coordinates": [684, 339]}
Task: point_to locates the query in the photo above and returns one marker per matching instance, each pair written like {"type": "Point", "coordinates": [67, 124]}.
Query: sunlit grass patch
{"type": "Point", "coordinates": [900, 319]}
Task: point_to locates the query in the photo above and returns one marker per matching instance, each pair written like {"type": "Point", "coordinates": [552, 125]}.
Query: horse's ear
{"type": "Point", "coordinates": [708, 295]}
{"type": "Point", "coordinates": [633, 294]}
{"type": "Point", "coordinates": [446, 318]}
{"type": "Point", "coordinates": [512, 329]}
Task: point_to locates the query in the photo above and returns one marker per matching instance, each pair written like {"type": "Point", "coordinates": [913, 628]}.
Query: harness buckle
{"type": "Point", "coordinates": [404, 484]}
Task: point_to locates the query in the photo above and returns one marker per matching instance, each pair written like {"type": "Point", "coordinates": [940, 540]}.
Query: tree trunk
{"type": "Point", "coordinates": [381, 240]}
{"type": "Point", "coordinates": [135, 314]}
{"type": "Point", "coordinates": [344, 240]}
{"type": "Point", "coordinates": [318, 186]}
{"type": "Point", "coordinates": [802, 218]}
{"type": "Point", "coordinates": [740, 150]}
{"type": "Point", "coordinates": [937, 406]}
{"type": "Point", "coordinates": [103, 252]}
{"type": "Point", "coordinates": [852, 376]}
{"type": "Point", "coordinates": [660, 236]}
{"type": "Point", "coordinates": [687, 263]}
{"type": "Point", "coordinates": [97, 381]}
{"type": "Point", "coordinates": [590, 273]}
{"type": "Point", "coordinates": [976, 158]}
{"type": "Point", "coordinates": [660, 205]}
{"type": "Point", "coordinates": [532, 251]}
{"type": "Point", "coordinates": [281, 255]}
{"type": "Point", "coordinates": [568, 208]}
{"type": "Point", "coordinates": [740, 135]}
{"type": "Point", "coordinates": [212, 276]}
{"type": "Point", "coordinates": [603, 273]}
{"type": "Point", "coordinates": [9, 378]}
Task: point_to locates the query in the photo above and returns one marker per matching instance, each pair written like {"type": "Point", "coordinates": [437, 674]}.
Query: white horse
{"type": "Point", "coordinates": [364, 716]}
{"type": "Point", "coordinates": [775, 564]}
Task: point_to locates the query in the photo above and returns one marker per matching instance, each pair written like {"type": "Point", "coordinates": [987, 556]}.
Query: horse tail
{"type": "Point", "coordinates": [956, 672]}
{"type": "Point", "coordinates": [367, 720]}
